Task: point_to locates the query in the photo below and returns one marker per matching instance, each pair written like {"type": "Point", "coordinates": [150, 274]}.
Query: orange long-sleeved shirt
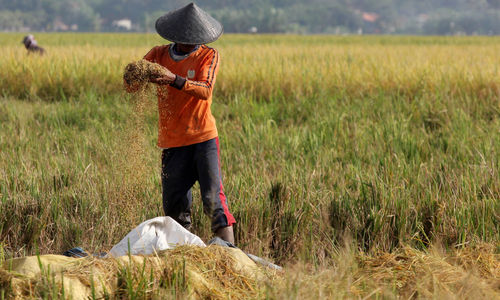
{"type": "Point", "coordinates": [185, 117]}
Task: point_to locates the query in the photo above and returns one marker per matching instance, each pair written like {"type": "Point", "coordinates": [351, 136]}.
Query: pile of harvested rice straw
{"type": "Point", "coordinates": [467, 274]}
{"type": "Point", "coordinates": [406, 273]}
{"type": "Point", "coordinates": [188, 272]}
{"type": "Point", "coordinates": [184, 272]}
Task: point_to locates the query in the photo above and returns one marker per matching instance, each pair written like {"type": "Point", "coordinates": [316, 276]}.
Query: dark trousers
{"type": "Point", "coordinates": [181, 168]}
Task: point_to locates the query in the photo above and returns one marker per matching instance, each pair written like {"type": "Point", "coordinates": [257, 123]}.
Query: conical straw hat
{"type": "Point", "coordinates": [189, 25]}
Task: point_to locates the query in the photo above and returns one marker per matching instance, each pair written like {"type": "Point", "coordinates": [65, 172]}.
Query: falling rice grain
{"type": "Point", "coordinates": [132, 167]}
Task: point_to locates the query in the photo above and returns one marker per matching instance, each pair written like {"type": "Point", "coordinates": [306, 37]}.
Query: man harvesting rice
{"type": "Point", "coordinates": [187, 131]}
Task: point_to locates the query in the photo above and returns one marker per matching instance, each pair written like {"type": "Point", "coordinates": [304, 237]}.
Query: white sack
{"type": "Point", "coordinates": [157, 234]}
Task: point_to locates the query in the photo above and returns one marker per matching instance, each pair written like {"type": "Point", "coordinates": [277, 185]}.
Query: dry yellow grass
{"type": "Point", "coordinates": [404, 274]}
{"type": "Point", "coordinates": [284, 67]}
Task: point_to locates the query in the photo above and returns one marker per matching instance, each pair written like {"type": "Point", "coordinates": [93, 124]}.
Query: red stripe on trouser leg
{"type": "Point", "coordinates": [222, 196]}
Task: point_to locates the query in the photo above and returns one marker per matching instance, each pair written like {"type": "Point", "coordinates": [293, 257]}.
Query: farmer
{"type": "Point", "coordinates": [31, 45]}
{"type": "Point", "coordinates": [187, 133]}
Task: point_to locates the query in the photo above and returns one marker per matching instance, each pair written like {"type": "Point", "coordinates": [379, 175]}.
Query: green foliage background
{"type": "Point", "coordinates": [297, 16]}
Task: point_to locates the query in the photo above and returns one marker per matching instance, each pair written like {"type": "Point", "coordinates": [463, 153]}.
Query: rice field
{"type": "Point", "coordinates": [367, 166]}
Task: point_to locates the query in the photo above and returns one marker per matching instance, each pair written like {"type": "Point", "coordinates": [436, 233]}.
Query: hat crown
{"type": "Point", "coordinates": [189, 25]}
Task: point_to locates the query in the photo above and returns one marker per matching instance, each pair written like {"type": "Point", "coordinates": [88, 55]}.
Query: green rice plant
{"type": "Point", "coordinates": [390, 141]}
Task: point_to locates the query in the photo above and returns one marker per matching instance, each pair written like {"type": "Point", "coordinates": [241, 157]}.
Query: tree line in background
{"type": "Point", "coordinates": [266, 16]}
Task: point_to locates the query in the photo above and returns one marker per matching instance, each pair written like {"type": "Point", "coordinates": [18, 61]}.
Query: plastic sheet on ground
{"type": "Point", "coordinates": [156, 234]}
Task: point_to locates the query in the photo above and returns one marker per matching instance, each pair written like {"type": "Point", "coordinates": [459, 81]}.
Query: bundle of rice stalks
{"type": "Point", "coordinates": [482, 258]}
{"type": "Point", "coordinates": [138, 73]}
{"type": "Point", "coordinates": [428, 274]}
{"type": "Point", "coordinates": [185, 272]}
{"type": "Point", "coordinates": [407, 273]}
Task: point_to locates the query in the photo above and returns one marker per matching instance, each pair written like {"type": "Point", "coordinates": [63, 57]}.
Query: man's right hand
{"type": "Point", "coordinates": [166, 78]}
{"type": "Point", "coordinates": [161, 80]}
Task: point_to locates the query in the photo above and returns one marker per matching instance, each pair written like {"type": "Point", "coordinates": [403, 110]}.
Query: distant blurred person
{"type": "Point", "coordinates": [32, 46]}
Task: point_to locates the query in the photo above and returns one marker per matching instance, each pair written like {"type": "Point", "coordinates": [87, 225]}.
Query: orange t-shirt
{"type": "Point", "coordinates": [185, 117]}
